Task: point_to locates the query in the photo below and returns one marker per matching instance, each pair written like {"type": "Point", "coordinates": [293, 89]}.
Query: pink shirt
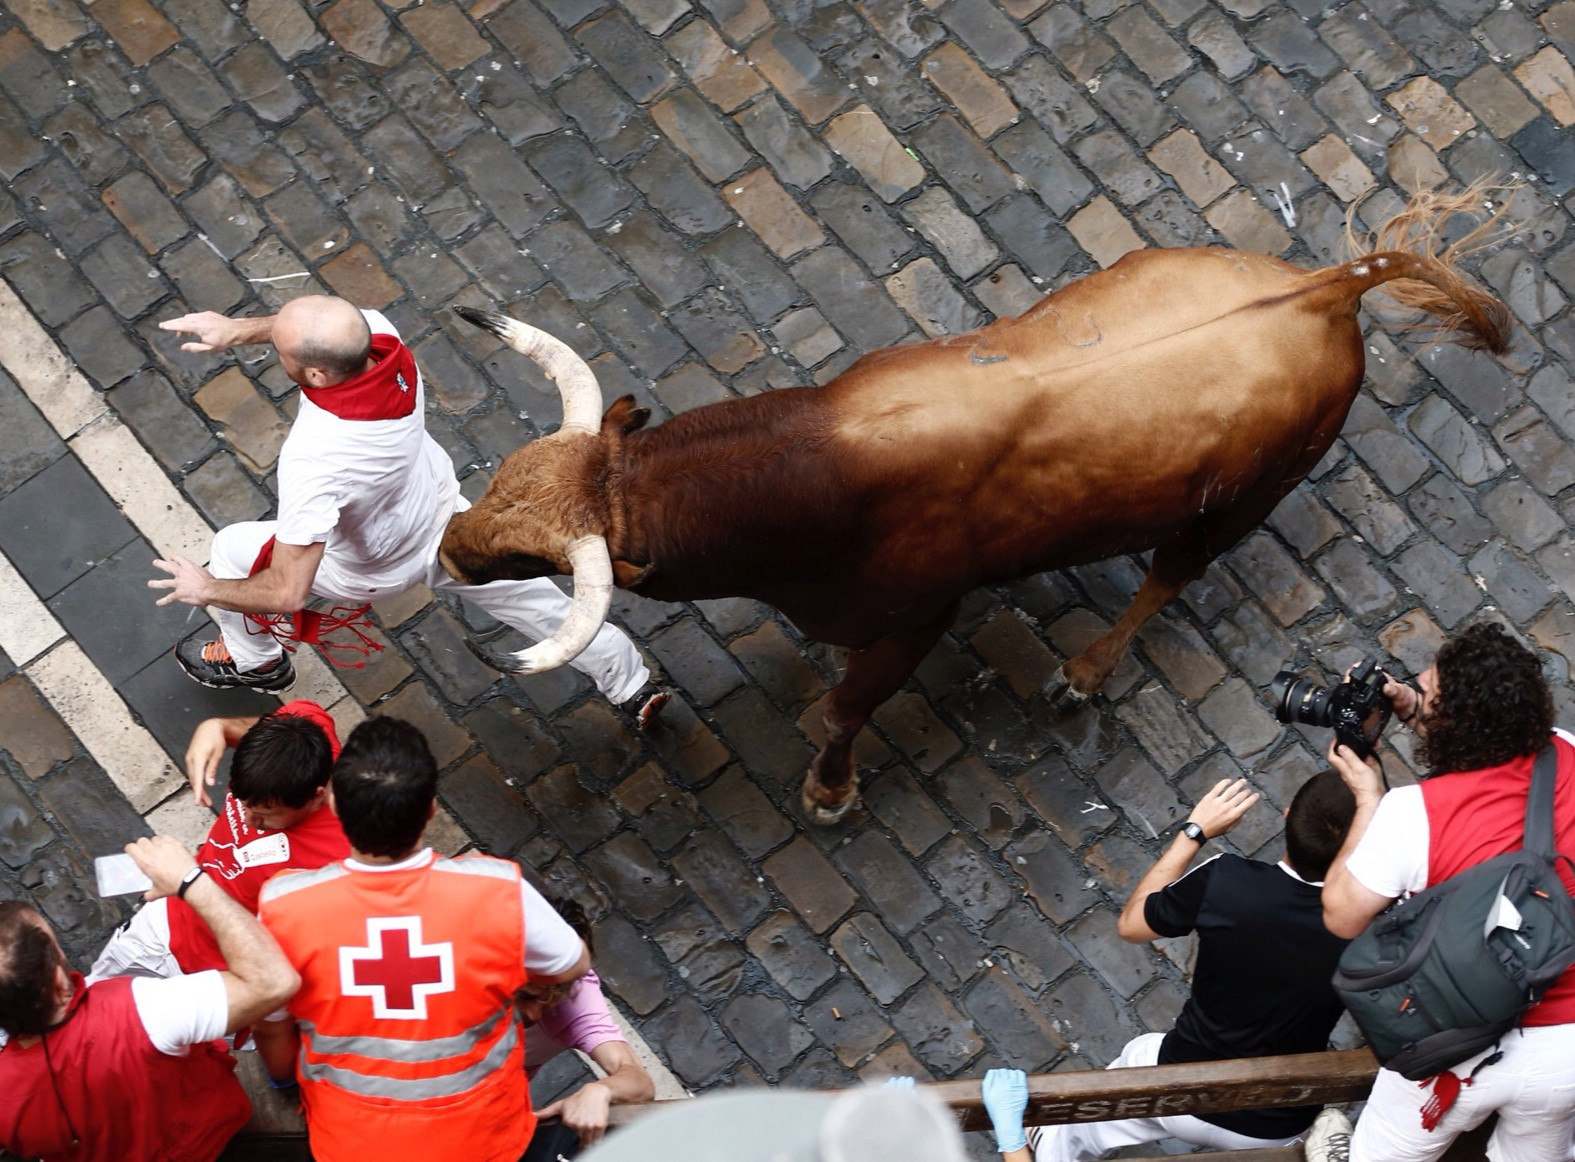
{"type": "Point", "coordinates": [582, 1020]}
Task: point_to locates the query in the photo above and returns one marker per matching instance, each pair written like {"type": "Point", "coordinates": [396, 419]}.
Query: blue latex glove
{"type": "Point", "coordinates": [903, 1081]}
{"type": "Point", "coordinates": [1005, 1093]}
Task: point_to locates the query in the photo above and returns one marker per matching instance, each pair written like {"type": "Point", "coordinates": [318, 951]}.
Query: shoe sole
{"type": "Point", "coordinates": [279, 689]}
{"type": "Point", "coordinates": [265, 688]}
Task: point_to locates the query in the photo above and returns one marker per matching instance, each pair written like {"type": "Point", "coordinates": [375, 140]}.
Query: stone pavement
{"type": "Point", "coordinates": [710, 199]}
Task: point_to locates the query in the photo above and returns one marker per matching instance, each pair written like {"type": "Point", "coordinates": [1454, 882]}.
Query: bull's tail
{"type": "Point", "coordinates": [1409, 257]}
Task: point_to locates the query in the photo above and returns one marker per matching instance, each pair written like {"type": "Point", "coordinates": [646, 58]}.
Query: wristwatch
{"type": "Point", "coordinates": [1194, 832]}
{"type": "Point", "coordinates": [187, 880]}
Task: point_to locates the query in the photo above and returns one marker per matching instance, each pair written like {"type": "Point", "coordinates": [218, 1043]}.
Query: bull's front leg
{"type": "Point", "coordinates": [874, 674]}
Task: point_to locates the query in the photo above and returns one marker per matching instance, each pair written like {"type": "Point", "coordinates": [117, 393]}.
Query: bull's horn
{"type": "Point", "coordinates": [582, 395]}
{"type": "Point", "coordinates": [593, 586]}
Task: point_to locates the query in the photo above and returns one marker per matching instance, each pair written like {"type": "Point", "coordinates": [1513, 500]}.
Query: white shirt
{"type": "Point", "coordinates": [1391, 856]}
{"type": "Point", "coordinates": [377, 493]}
{"type": "Point", "coordinates": [181, 1011]}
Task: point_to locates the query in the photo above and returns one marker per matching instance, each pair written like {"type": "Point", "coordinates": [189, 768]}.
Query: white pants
{"type": "Point", "coordinates": [140, 947]}
{"type": "Point", "coordinates": [1084, 1141]}
{"type": "Point", "coordinates": [536, 608]}
{"type": "Point", "coordinates": [1532, 1089]}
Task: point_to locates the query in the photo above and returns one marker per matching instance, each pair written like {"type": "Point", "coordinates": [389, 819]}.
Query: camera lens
{"type": "Point", "coordinates": [1299, 699]}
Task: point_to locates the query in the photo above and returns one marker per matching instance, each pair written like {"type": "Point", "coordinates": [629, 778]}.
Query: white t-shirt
{"type": "Point", "coordinates": [377, 493]}
{"type": "Point", "coordinates": [1391, 858]}
{"type": "Point", "coordinates": [182, 1011]}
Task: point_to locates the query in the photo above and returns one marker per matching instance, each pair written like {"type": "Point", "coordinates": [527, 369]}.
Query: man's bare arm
{"type": "Point", "coordinates": [627, 1083]}
{"type": "Point", "coordinates": [216, 332]}
{"type": "Point", "coordinates": [282, 587]}
{"type": "Point", "coordinates": [259, 979]}
{"type": "Point", "coordinates": [278, 1043]}
{"type": "Point", "coordinates": [1348, 904]}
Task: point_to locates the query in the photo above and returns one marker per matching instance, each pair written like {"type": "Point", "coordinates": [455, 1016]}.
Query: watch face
{"type": "Point", "coordinates": [1193, 831]}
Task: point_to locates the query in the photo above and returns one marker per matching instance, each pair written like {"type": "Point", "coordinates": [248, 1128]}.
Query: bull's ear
{"type": "Point", "coordinates": [624, 416]}
{"type": "Point", "coordinates": [629, 576]}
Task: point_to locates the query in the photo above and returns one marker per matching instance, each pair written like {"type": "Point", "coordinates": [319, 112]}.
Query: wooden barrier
{"type": "Point", "coordinates": [1097, 1095]}
{"type": "Point", "coordinates": [1161, 1091]}
{"type": "Point", "coordinates": [276, 1131]}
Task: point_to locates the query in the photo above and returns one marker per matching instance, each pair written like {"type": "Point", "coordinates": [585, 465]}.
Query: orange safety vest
{"type": "Point", "coordinates": [408, 1029]}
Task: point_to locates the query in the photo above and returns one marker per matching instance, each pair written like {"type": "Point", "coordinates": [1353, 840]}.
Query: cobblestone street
{"type": "Point", "coordinates": [709, 199]}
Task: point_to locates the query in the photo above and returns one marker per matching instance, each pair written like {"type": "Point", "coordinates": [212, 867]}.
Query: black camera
{"type": "Point", "coordinates": [1356, 709]}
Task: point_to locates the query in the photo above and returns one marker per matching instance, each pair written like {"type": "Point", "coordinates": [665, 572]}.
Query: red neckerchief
{"type": "Point", "coordinates": [384, 391]}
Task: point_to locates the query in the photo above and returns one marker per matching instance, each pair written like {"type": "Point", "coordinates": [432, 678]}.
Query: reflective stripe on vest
{"type": "Point", "coordinates": [492, 869]}
{"type": "Point", "coordinates": [400, 1049]}
{"type": "Point", "coordinates": [293, 881]}
{"type": "Point", "coordinates": [416, 1088]}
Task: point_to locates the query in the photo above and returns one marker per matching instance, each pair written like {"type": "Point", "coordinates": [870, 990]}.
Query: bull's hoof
{"type": "Point", "coordinates": [1063, 699]}
{"type": "Point", "coordinates": [826, 814]}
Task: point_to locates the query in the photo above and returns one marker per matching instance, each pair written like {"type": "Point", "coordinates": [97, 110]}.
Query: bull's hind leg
{"type": "Point", "coordinates": [1177, 562]}
{"type": "Point", "coordinates": [874, 674]}
{"type": "Point", "coordinates": [1080, 678]}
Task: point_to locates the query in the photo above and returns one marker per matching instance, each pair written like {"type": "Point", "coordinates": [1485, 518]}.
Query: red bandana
{"type": "Point", "coordinates": [385, 391]}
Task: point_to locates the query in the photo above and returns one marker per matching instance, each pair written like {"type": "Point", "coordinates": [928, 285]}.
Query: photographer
{"type": "Point", "coordinates": [1481, 713]}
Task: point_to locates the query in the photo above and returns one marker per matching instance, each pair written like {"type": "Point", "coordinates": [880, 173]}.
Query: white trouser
{"type": "Point", "coordinates": [1532, 1089]}
{"type": "Point", "coordinates": [1083, 1141]}
{"type": "Point", "coordinates": [536, 608]}
{"type": "Point", "coordinates": [139, 947]}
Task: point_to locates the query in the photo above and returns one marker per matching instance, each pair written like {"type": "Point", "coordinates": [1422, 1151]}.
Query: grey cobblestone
{"type": "Point", "coordinates": [688, 208]}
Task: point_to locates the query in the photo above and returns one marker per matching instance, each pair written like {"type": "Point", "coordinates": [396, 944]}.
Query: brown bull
{"type": "Point", "coordinates": [1166, 403]}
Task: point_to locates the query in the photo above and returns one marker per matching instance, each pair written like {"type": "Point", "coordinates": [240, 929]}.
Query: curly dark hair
{"type": "Point", "coordinates": [1492, 703]}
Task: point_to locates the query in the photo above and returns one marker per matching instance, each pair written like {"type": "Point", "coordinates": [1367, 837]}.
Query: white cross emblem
{"type": "Point", "coordinates": [396, 969]}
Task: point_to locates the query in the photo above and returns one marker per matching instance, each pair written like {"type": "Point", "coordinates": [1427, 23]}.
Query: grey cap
{"type": "Point", "coordinates": [869, 1124]}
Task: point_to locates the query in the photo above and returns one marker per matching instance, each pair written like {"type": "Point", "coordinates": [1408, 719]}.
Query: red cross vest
{"type": "Point", "coordinates": [408, 1030]}
{"type": "Point", "coordinates": [127, 1101]}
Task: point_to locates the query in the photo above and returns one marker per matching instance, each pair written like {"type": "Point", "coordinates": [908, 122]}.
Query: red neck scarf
{"type": "Point", "coordinates": [384, 391]}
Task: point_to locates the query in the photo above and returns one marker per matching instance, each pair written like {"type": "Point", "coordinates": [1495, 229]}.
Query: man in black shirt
{"type": "Point", "coordinates": [1260, 988]}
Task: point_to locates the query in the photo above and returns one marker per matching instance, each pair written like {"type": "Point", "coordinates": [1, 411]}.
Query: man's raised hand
{"type": "Point", "coordinates": [203, 756]}
{"type": "Point", "coordinates": [215, 332]}
{"type": "Point", "coordinates": [1364, 777]}
{"type": "Point", "coordinates": [1224, 805]}
{"type": "Point", "coordinates": [187, 581]}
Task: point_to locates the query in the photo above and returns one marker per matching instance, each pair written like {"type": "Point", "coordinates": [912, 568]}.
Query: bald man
{"type": "Point", "coordinates": [364, 496]}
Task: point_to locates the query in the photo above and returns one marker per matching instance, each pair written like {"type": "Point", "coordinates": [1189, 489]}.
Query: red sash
{"type": "Point", "coordinates": [313, 626]}
{"type": "Point", "coordinates": [384, 391]}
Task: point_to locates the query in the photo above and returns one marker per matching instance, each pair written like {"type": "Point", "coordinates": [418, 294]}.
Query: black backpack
{"type": "Point", "coordinates": [1444, 974]}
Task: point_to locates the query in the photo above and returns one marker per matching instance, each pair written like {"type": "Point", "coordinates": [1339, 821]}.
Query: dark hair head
{"type": "Point", "coordinates": [385, 782]}
{"type": "Point", "coordinates": [1316, 824]}
{"type": "Point", "coordinates": [1492, 703]}
{"type": "Point", "coordinates": [282, 761]}
{"type": "Point", "coordinates": [574, 916]}
{"type": "Point", "coordinates": [28, 959]}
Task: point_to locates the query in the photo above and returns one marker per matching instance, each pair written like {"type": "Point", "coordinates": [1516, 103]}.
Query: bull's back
{"type": "Point", "coordinates": [1105, 419]}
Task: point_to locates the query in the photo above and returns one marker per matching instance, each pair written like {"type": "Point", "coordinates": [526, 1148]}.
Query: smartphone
{"type": "Point", "coordinates": [119, 875]}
